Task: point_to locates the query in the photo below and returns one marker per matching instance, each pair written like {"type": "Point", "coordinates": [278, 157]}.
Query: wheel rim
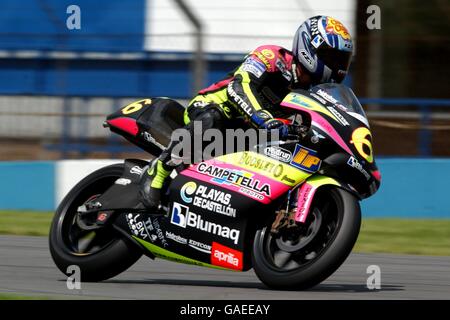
{"type": "Point", "coordinates": [77, 241]}
{"type": "Point", "coordinates": [289, 251]}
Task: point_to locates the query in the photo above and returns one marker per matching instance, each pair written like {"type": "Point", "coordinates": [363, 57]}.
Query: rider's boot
{"type": "Point", "coordinates": [151, 184]}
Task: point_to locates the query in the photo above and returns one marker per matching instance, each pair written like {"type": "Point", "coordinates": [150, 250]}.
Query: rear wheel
{"type": "Point", "coordinates": [101, 253]}
{"type": "Point", "coordinates": [303, 256]}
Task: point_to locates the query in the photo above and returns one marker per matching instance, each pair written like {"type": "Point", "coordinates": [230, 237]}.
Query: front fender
{"type": "Point", "coordinates": [308, 190]}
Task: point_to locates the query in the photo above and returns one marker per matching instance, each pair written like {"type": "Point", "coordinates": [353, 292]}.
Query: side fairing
{"type": "Point", "coordinates": [216, 206]}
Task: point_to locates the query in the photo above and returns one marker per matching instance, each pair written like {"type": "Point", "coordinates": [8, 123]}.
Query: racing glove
{"type": "Point", "coordinates": [275, 124]}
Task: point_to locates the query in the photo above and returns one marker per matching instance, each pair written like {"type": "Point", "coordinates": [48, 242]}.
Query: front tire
{"type": "Point", "coordinates": [100, 254]}
{"type": "Point", "coordinates": [285, 261]}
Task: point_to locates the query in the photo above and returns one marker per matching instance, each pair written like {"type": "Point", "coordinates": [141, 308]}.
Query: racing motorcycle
{"type": "Point", "coordinates": [290, 212]}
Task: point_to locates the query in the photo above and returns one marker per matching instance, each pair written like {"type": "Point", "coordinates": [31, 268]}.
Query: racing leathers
{"type": "Point", "coordinates": [253, 90]}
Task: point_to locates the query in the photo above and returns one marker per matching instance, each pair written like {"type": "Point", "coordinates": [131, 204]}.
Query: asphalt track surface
{"type": "Point", "coordinates": [26, 268]}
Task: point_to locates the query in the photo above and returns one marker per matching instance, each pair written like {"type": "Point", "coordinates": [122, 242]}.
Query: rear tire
{"type": "Point", "coordinates": [335, 217]}
{"type": "Point", "coordinates": [110, 253]}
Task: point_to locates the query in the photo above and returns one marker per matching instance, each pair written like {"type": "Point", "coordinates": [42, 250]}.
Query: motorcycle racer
{"type": "Point", "coordinates": [321, 53]}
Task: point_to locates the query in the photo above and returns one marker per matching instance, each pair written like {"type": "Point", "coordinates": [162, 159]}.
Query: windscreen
{"type": "Point", "coordinates": [343, 97]}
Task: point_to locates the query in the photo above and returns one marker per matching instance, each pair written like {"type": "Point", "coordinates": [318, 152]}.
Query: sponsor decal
{"type": "Point", "coordinates": [322, 101]}
{"type": "Point", "coordinates": [313, 27]}
{"type": "Point", "coordinates": [251, 194]}
{"type": "Point", "coordinates": [215, 207]}
{"type": "Point", "coordinates": [146, 229]}
{"type": "Point", "coordinates": [238, 178]}
{"type": "Point", "coordinates": [307, 58]}
{"type": "Point", "coordinates": [182, 217]}
{"type": "Point", "coordinates": [123, 181]}
{"type": "Point", "coordinates": [317, 41]}
{"type": "Point", "coordinates": [213, 194]}
{"type": "Point", "coordinates": [336, 27]}
{"type": "Point", "coordinates": [200, 246]}
{"type": "Point", "coordinates": [362, 140]}
{"type": "Point", "coordinates": [262, 58]}
{"type": "Point", "coordinates": [312, 105]}
{"type": "Point", "coordinates": [352, 162]}
{"type": "Point", "coordinates": [242, 104]}
{"type": "Point", "coordinates": [179, 214]}
{"type": "Point", "coordinates": [226, 257]}
{"type": "Point", "coordinates": [175, 237]}
{"type": "Point", "coordinates": [159, 232]}
{"type": "Point", "coordinates": [253, 66]}
{"type": "Point", "coordinates": [341, 106]}
{"type": "Point", "coordinates": [268, 54]}
{"type": "Point", "coordinates": [273, 168]}
{"type": "Point", "coordinates": [207, 198]}
{"type": "Point", "coordinates": [278, 153]}
{"type": "Point", "coordinates": [137, 227]}
{"type": "Point", "coordinates": [305, 159]}
{"type": "Point", "coordinates": [326, 96]}
{"type": "Point", "coordinates": [303, 201]}
{"type": "Point", "coordinates": [136, 170]}
{"type": "Point", "coordinates": [187, 190]}
{"type": "Point", "coordinates": [339, 116]}
{"type": "Point", "coordinates": [284, 71]}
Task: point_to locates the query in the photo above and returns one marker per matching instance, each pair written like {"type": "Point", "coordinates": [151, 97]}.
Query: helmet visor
{"type": "Point", "coordinates": [337, 60]}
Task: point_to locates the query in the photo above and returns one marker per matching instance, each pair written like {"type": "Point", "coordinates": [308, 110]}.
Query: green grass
{"type": "Point", "coordinates": [25, 223]}
{"type": "Point", "coordinates": [408, 236]}
{"type": "Point", "coordinates": [402, 236]}
{"type": "Point", "coordinates": [14, 296]}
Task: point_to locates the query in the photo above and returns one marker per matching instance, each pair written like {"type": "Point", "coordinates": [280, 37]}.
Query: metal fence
{"type": "Point", "coordinates": [71, 127]}
{"type": "Point", "coordinates": [427, 120]}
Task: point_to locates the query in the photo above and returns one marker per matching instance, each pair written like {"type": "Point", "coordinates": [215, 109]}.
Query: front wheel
{"type": "Point", "coordinates": [100, 254]}
{"type": "Point", "coordinates": [304, 256]}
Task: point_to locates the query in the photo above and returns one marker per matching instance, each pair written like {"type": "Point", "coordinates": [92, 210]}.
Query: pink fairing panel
{"type": "Point", "coordinates": [234, 178]}
{"type": "Point", "coordinates": [126, 124]}
{"type": "Point", "coordinates": [305, 197]}
{"type": "Point", "coordinates": [322, 124]}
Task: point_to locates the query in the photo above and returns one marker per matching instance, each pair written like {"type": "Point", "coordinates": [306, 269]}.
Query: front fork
{"type": "Point", "coordinates": [299, 202]}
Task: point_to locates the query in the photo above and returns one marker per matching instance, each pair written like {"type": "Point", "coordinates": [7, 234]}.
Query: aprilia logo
{"type": "Point", "coordinates": [226, 257]}
{"type": "Point", "coordinates": [182, 217]}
